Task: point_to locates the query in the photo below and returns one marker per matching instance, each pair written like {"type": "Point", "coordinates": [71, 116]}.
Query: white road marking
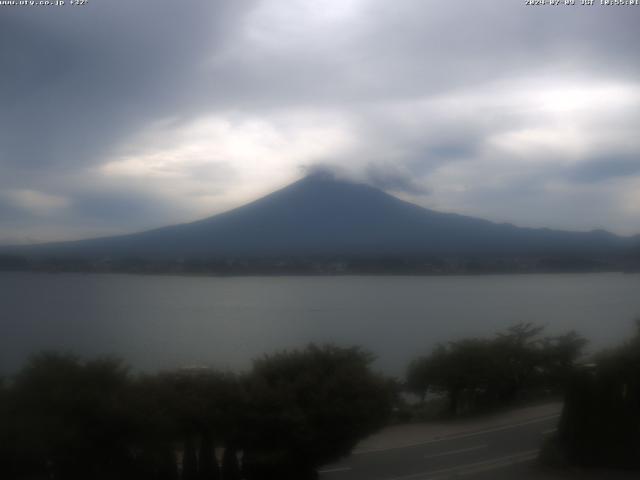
{"type": "Point", "coordinates": [454, 452]}
{"type": "Point", "coordinates": [550, 431]}
{"type": "Point", "coordinates": [472, 468]}
{"type": "Point", "coordinates": [457, 437]}
{"type": "Point", "coordinates": [335, 470]}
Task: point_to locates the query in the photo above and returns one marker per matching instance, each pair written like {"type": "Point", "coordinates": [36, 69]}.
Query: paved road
{"type": "Point", "coordinates": [500, 452]}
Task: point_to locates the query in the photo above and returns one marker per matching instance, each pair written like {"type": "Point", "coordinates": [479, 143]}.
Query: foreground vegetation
{"type": "Point", "coordinates": [63, 418]}
{"type": "Point", "coordinates": [600, 424]}
{"type": "Point", "coordinates": [477, 374]}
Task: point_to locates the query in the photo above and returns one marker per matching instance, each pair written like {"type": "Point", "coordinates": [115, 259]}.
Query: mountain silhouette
{"type": "Point", "coordinates": [321, 215]}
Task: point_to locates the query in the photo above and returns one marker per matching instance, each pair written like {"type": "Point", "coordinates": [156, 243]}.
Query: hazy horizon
{"type": "Point", "coordinates": [333, 176]}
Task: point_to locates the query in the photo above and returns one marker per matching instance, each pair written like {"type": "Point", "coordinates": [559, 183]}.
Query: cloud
{"type": "Point", "coordinates": [144, 113]}
{"type": "Point", "coordinates": [606, 168]}
{"type": "Point", "coordinates": [78, 82]}
{"type": "Point", "coordinates": [36, 203]}
{"type": "Point", "coordinates": [393, 178]}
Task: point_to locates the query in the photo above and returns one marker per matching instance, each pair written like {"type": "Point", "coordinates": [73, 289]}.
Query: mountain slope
{"type": "Point", "coordinates": [320, 215]}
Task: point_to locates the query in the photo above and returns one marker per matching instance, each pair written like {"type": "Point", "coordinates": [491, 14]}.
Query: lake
{"type": "Point", "coordinates": [156, 322]}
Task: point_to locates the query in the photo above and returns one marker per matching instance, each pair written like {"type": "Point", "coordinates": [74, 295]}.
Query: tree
{"type": "Point", "coordinates": [66, 418]}
{"type": "Point", "coordinates": [308, 408]}
{"type": "Point", "coordinates": [420, 377]}
{"type": "Point", "coordinates": [207, 464]}
{"type": "Point", "coordinates": [7, 429]}
{"type": "Point", "coordinates": [230, 467]}
{"type": "Point", "coordinates": [600, 423]}
{"type": "Point", "coordinates": [479, 373]}
{"type": "Point", "coordinates": [71, 418]}
{"type": "Point", "coordinates": [517, 359]}
{"type": "Point", "coordinates": [193, 409]}
{"type": "Point", "coordinates": [559, 357]}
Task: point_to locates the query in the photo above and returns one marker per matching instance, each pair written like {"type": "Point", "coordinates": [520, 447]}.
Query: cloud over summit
{"type": "Point", "coordinates": [185, 109]}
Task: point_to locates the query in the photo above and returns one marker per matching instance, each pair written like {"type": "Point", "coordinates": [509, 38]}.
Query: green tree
{"type": "Point", "coordinates": [71, 419]}
{"type": "Point", "coordinates": [420, 377]}
{"type": "Point", "coordinates": [517, 358]}
{"type": "Point", "coordinates": [559, 357]}
{"type": "Point", "coordinates": [230, 466]}
{"type": "Point", "coordinates": [308, 408]}
{"type": "Point", "coordinates": [207, 464]}
{"type": "Point", "coordinates": [600, 423]}
{"type": "Point", "coordinates": [7, 455]}
{"type": "Point", "coordinates": [477, 373]}
{"type": "Point", "coordinates": [191, 410]}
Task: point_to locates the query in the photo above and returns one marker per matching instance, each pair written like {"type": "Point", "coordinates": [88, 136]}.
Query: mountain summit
{"type": "Point", "coordinates": [321, 215]}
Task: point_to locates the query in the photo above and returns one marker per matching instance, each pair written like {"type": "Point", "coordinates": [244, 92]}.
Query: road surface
{"type": "Point", "coordinates": [500, 448]}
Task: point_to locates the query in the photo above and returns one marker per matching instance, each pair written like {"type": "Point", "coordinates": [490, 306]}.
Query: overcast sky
{"type": "Point", "coordinates": [119, 116]}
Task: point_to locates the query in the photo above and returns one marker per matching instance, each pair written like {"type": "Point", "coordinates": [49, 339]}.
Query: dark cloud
{"type": "Point", "coordinates": [610, 167]}
{"type": "Point", "coordinates": [452, 150]}
{"type": "Point", "coordinates": [120, 208]}
{"type": "Point", "coordinates": [320, 169]}
{"type": "Point", "coordinates": [395, 51]}
{"type": "Point", "coordinates": [393, 178]}
{"type": "Point", "coordinates": [77, 81]}
{"type": "Point", "coordinates": [11, 214]}
{"type": "Point", "coordinates": [424, 86]}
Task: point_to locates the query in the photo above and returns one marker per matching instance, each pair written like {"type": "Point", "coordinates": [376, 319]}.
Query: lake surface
{"type": "Point", "coordinates": [158, 322]}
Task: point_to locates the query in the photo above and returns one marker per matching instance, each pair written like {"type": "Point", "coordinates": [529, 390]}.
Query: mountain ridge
{"type": "Point", "coordinates": [321, 215]}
